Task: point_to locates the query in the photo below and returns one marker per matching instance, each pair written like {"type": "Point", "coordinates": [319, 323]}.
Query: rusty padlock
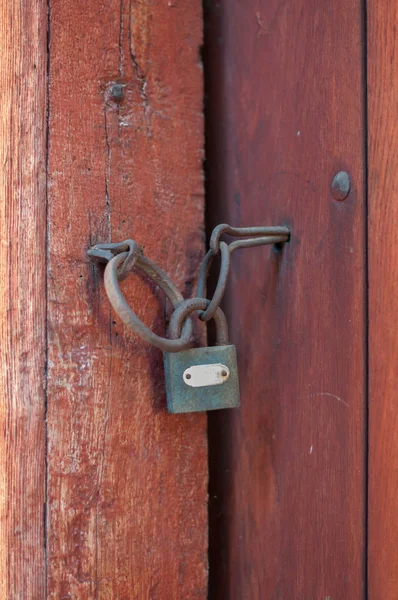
{"type": "Point", "coordinates": [204, 378]}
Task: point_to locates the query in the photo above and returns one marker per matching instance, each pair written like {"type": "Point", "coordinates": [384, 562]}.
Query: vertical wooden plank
{"type": "Point", "coordinates": [383, 299]}
{"type": "Point", "coordinates": [22, 297]}
{"type": "Point", "coordinates": [287, 479]}
{"type": "Point", "coordinates": [127, 482]}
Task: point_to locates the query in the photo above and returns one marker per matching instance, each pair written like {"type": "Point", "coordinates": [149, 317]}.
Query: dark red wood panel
{"type": "Point", "coordinates": [127, 486]}
{"type": "Point", "coordinates": [383, 299]}
{"type": "Point", "coordinates": [285, 108]}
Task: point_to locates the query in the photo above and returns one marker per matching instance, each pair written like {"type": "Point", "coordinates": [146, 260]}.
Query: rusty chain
{"type": "Point", "coordinates": [122, 258]}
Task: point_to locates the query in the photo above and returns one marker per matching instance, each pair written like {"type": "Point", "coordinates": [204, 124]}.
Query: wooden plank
{"type": "Point", "coordinates": [383, 299]}
{"type": "Point", "coordinates": [287, 479]}
{"type": "Point", "coordinates": [127, 482]}
{"type": "Point", "coordinates": [22, 297]}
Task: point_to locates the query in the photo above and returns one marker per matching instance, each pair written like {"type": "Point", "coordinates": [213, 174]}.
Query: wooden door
{"type": "Point", "coordinates": [285, 113]}
{"type": "Point", "coordinates": [303, 482]}
{"type": "Point", "coordinates": [102, 493]}
{"type": "Point", "coordinates": [383, 299]}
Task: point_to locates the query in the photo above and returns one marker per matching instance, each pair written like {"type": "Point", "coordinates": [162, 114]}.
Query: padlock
{"type": "Point", "coordinates": [204, 378]}
{"type": "Point", "coordinates": [197, 379]}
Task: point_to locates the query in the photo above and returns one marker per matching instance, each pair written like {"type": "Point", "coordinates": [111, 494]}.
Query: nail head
{"type": "Point", "coordinates": [340, 186]}
{"type": "Point", "coordinates": [117, 92]}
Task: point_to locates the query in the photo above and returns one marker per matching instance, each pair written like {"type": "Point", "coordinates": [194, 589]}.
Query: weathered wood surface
{"type": "Point", "coordinates": [383, 299]}
{"type": "Point", "coordinates": [127, 505]}
{"type": "Point", "coordinates": [287, 479]}
{"type": "Point", "coordinates": [22, 297]}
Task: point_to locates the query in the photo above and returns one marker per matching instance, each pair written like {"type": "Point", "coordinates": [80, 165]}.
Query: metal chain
{"type": "Point", "coordinates": [122, 258]}
{"type": "Point", "coordinates": [259, 237]}
{"type": "Point", "coordinates": [198, 305]}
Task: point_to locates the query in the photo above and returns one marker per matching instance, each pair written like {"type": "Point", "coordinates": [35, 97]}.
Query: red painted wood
{"type": "Point", "coordinates": [383, 301]}
{"type": "Point", "coordinates": [287, 479]}
{"type": "Point", "coordinates": [22, 297]}
{"type": "Point", "coordinates": [127, 486]}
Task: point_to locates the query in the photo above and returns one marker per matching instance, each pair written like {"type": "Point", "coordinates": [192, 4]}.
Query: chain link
{"type": "Point", "coordinates": [122, 258]}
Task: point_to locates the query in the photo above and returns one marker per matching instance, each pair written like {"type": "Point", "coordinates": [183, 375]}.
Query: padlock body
{"type": "Point", "coordinates": [182, 398]}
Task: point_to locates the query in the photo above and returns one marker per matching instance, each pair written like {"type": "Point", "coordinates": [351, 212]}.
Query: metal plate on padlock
{"type": "Point", "coordinates": [213, 361]}
{"type": "Point", "coordinates": [204, 375]}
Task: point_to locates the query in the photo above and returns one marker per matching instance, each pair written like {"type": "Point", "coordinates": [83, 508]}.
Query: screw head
{"type": "Point", "coordinates": [340, 186]}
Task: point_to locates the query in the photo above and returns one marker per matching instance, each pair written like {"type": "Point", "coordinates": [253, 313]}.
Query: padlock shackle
{"type": "Point", "coordinates": [186, 307]}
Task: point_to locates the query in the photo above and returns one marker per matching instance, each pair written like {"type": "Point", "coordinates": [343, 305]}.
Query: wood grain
{"type": "Point", "coordinates": [127, 482]}
{"type": "Point", "coordinates": [22, 297]}
{"type": "Point", "coordinates": [285, 113]}
{"type": "Point", "coordinates": [383, 300]}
